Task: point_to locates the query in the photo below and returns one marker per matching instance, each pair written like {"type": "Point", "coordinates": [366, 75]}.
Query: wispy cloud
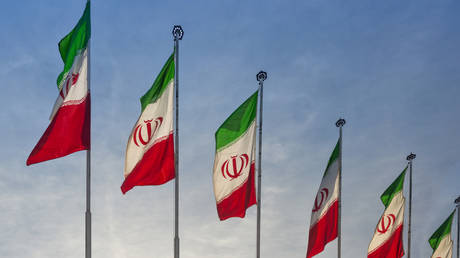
{"type": "Point", "coordinates": [389, 68]}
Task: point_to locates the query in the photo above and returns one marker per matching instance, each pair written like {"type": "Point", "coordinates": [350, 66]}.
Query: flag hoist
{"type": "Point", "coordinates": [326, 215]}
{"type": "Point", "coordinates": [70, 128]}
{"type": "Point", "coordinates": [234, 162]}
{"type": "Point", "coordinates": [152, 153]}
{"type": "Point", "coordinates": [441, 240]}
{"type": "Point", "coordinates": [388, 236]}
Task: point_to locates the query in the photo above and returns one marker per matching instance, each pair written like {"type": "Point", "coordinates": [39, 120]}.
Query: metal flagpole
{"type": "Point", "coordinates": [88, 205]}
{"type": "Point", "coordinates": [457, 201]}
{"type": "Point", "coordinates": [261, 77]}
{"type": "Point", "coordinates": [88, 173]}
{"type": "Point", "coordinates": [340, 123]}
{"type": "Point", "coordinates": [410, 157]}
{"type": "Point", "coordinates": [88, 170]}
{"type": "Point", "coordinates": [178, 33]}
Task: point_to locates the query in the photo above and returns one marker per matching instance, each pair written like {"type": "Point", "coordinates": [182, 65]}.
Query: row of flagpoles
{"type": "Point", "coordinates": [152, 155]}
{"type": "Point", "coordinates": [387, 242]}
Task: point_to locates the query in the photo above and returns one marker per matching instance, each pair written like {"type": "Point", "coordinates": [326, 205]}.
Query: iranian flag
{"type": "Point", "coordinates": [234, 163]}
{"type": "Point", "coordinates": [150, 149]}
{"type": "Point", "coordinates": [324, 215]}
{"type": "Point", "coordinates": [441, 241]}
{"type": "Point", "coordinates": [69, 129]}
{"type": "Point", "coordinates": [388, 237]}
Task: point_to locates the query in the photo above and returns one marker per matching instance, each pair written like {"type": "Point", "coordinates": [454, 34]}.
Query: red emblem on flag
{"type": "Point", "coordinates": [324, 193]}
{"type": "Point", "coordinates": [237, 163]}
{"type": "Point", "coordinates": [137, 135]}
{"type": "Point", "coordinates": [73, 78]}
{"type": "Point", "coordinates": [385, 223]}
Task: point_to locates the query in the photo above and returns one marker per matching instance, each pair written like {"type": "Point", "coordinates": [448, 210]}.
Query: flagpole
{"type": "Point", "coordinates": [340, 123]}
{"type": "Point", "coordinates": [410, 157]}
{"type": "Point", "coordinates": [88, 206]}
{"type": "Point", "coordinates": [178, 33]}
{"type": "Point", "coordinates": [457, 202]}
{"type": "Point", "coordinates": [88, 172]}
{"type": "Point", "coordinates": [261, 77]}
{"type": "Point", "coordinates": [88, 169]}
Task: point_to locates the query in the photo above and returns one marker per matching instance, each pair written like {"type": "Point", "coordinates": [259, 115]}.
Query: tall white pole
{"type": "Point", "coordinates": [409, 158]}
{"type": "Point", "coordinates": [261, 77]}
{"type": "Point", "coordinates": [340, 123]}
{"type": "Point", "coordinates": [178, 33]}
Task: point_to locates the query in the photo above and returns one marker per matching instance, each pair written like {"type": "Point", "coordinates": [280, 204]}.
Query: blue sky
{"type": "Point", "coordinates": [389, 67]}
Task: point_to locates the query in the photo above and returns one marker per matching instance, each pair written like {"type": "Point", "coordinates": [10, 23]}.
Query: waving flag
{"type": "Point", "coordinates": [69, 129]}
{"type": "Point", "coordinates": [324, 215]}
{"type": "Point", "coordinates": [150, 149]}
{"type": "Point", "coordinates": [441, 240]}
{"type": "Point", "coordinates": [234, 163]}
{"type": "Point", "coordinates": [388, 237]}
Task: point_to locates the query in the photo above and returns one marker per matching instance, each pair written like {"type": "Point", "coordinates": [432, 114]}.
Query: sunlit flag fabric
{"type": "Point", "coordinates": [234, 163]}
{"type": "Point", "coordinates": [69, 129]}
{"type": "Point", "coordinates": [150, 149]}
{"type": "Point", "coordinates": [324, 215]}
{"type": "Point", "coordinates": [388, 237]}
{"type": "Point", "coordinates": [441, 240]}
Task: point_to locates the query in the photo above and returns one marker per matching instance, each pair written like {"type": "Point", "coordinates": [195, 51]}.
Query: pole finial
{"type": "Point", "coordinates": [178, 32]}
{"type": "Point", "coordinates": [411, 156]}
{"type": "Point", "coordinates": [261, 76]}
{"type": "Point", "coordinates": [341, 122]}
{"type": "Point", "coordinates": [457, 201]}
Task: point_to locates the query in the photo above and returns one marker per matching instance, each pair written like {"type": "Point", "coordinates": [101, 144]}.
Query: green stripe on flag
{"type": "Point", "coordinates": [72, 44]}
{"type": "Point", "coordinates": [159, 85]}
{"type": "Point", "coordinates": [335, 155]}
{"type": "Point", "coordinates": [441, 232]}
{"type": "Point", "coordinates": [393, 189]}
{"type": "Point", "coordinates": [237, 123]}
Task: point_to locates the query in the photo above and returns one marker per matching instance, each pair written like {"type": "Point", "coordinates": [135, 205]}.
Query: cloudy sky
{"type": "Point", "coordinates": [390, 68]}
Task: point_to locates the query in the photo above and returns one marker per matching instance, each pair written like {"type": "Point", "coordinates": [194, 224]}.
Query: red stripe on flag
{"type": "Point", "coordinates": [392, 248]}
{"type": "Point", "coordinates": [68, 132]}
{"type": "Point", "coordinates": [155, 168]}
{"type": "Point", "coordinates": [324, 231]}
{"type": "Point", "coordinates": [235, 204]}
